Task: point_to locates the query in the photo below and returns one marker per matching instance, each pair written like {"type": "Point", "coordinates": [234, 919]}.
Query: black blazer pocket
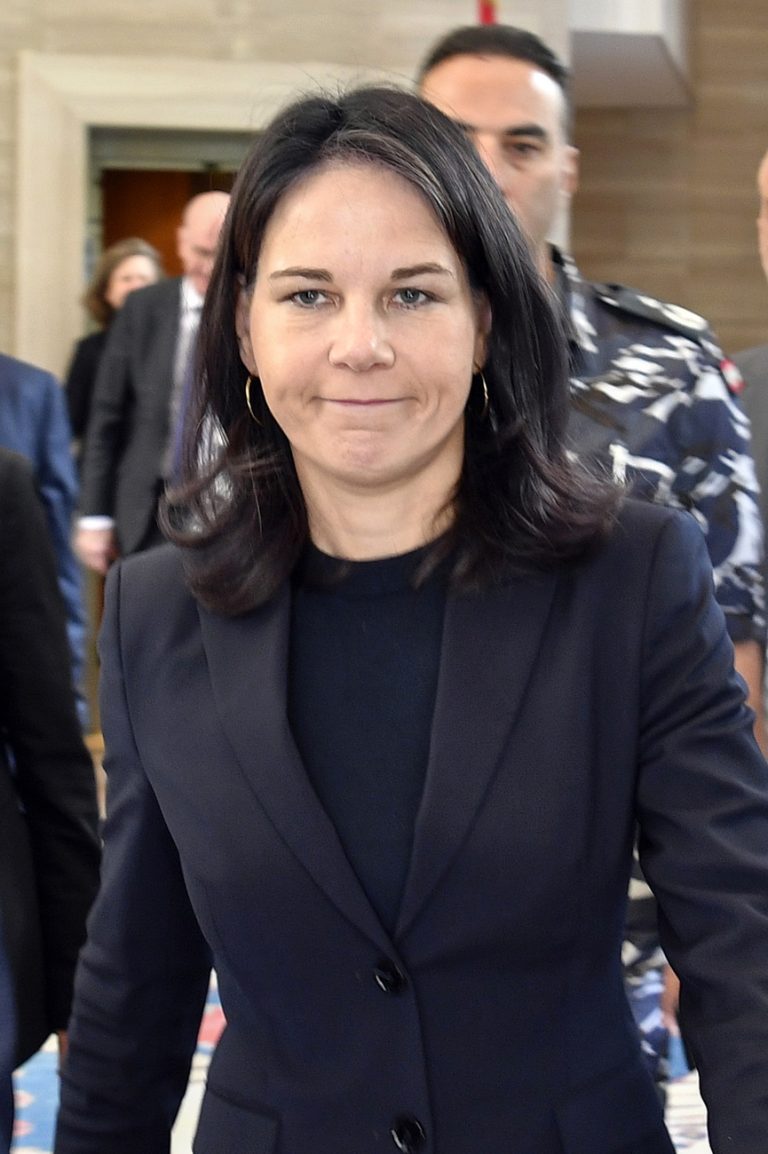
{"type": "Point", "coordinates": [226, 1128]}
{"type": "Point", "coordinates": [619, 1114]}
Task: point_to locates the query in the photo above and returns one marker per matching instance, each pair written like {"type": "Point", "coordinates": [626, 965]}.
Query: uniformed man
{"type": "Point", "coordinates": [753, 362]}
{"type": "Point", "coordinates": [654, 399]}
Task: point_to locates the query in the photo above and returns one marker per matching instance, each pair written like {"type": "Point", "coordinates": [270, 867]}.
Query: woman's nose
{"type": "Point", "coordinates": [361, 340]}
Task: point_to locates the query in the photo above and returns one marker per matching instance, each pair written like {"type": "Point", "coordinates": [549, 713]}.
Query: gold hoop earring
{"type": "Point", "coordinates": [486, 399]}
{"type": "Point", "coordinates": [248, 382]}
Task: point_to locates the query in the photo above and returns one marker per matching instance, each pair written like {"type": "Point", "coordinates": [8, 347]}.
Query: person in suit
{"type": "Point", "coordinates": [122, 268]}
{"type": "Point", "coordinates": [381, 722]}
{"type": "Point", "coordinates": [129, 440]}
{"type": "Point", "coordinates": [33, 422]}
{"type": "Point", "coordinates": [49, 844]}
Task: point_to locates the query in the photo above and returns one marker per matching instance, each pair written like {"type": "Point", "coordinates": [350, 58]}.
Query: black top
{"type": "Point", "coordinates": [364, 659]}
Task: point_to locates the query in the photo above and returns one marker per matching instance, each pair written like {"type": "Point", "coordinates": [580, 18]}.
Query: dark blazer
{"type": "Point", "coordinates": [80, 380]}
{"type": "Point", "coordinates": [49, 847]}
{"type": "Point", "coordinates": [33, 422]}
{"type": "Point", "coordinates": [128, 426]}
{"type": "Point", "coordinates": [494, 1018]}
{"type": "Point", "coordinates": [753, 365]}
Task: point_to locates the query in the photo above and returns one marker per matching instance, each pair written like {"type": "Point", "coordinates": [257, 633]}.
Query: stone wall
{"type": "Point", "coordinates": [392, 35]}
{"type": "Point", "coordinates": [668, 200]}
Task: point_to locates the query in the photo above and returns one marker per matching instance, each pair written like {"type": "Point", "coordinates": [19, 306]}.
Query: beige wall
{"type": "Point", "coordinates": [40, 242]}
{"type": "Point", "coordinates": [668, 198]}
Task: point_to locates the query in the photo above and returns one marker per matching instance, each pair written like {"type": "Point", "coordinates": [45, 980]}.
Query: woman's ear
{"type": "Point", "coordinates": [243, 330]}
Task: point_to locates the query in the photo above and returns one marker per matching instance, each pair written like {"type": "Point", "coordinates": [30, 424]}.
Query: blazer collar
{"type": "Point", "coordinates": [490, 644]}
{"type": "Point", "coordinates": [248, 663]}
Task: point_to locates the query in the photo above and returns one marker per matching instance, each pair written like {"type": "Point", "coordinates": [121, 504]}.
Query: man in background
{"type": "Point", "coordinates": [753, 363]}
{"type": "Point", "coordinates": [34, 423]}
{"type": "Point", "coordinates": [138, 394]}
{"type": "Point", "coordinates": [652, 394]}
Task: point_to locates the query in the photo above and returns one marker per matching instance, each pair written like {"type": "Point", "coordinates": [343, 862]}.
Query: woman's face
{"type": "Point", "coordinates": [364, 333]}
{"type": "Point", "coordinates": [132, 273]}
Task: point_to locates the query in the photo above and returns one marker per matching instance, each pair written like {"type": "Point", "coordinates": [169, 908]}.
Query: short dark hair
{"type": "Point", "coordinates": [501, 40]}
{"type": "Point", "coordinates": [520, 503]}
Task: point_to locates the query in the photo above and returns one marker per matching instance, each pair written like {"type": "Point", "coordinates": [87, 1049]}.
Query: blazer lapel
{"type": "Point", "coordinates": [490, 645]}
{"type": "Point", "coordinates": [248, 659]}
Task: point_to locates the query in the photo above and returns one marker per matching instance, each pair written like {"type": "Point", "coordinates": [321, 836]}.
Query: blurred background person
{"type": "Point", "coordinates": [130, 440]}
{"type": "Point", "coordinates": [651, 396]}
{"type": "Point", "coordinates": [753, 363]}
{"type": "Point", "coordinates": [129, 264]}
{"type": "Point", "coordinates": [49, 843]}
{"type": "Point", "coordinates": [34, 423]}
{"type": "Point", "coordinates": [651, 392]}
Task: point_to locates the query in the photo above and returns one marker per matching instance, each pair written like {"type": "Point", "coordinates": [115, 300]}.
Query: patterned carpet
{"type": "Point", "coordinates": [37, 1096]}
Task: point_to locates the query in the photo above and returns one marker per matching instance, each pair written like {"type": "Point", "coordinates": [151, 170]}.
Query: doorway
{"type": "Point", "coordinates": [140, 180]}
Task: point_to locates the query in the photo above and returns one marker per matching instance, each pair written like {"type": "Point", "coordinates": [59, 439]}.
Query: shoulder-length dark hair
{"type": "Point", "coordinates": [520, 504]}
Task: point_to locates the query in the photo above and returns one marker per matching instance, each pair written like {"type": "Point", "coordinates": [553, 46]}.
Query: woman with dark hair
{"type": "Point", "coordinates": [122, 268]}
{"type": "Point", "coordinates": [382, 721]}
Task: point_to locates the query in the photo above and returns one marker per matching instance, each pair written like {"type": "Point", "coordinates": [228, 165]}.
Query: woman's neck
{"type": "Point", "coordinates": [360, 526]}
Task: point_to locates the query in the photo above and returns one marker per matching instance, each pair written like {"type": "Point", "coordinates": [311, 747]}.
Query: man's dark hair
{"type": "Point", "coordinates": [520, 503]}
{"type": "Point", "coordinates": [500, 40]}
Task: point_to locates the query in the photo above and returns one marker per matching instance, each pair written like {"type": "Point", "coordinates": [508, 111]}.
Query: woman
{"type": "Point", "coordinates": [380, 728]}
{"type": "Point", "coordinates": [125, 266]}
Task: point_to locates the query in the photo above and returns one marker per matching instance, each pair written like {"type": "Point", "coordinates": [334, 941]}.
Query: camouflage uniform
{"type": "Point", "coordinates": [654, 401]}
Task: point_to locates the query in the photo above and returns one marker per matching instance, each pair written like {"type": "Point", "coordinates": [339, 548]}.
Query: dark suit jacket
{"type": "Point", "coordinates": [568, 705]}
{"type": "Point", "coordinates": [33, 422]}
{"type": "Point", "coordinates": [81, 379]}
{"type": "Point", "coordinates": [128, 426]}
{"type": "Point", "coordinates": [753, 365]}
{"type": "Point", "coordinates": [49, 853]}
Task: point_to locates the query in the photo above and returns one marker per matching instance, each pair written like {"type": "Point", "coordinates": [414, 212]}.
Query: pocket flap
{"type": "Point", "coordinates": [226, 1128]}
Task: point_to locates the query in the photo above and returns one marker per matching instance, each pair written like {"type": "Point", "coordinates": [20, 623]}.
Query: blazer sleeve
{"type": "Point", "coordinates": [53, 770]}
{"type": "Point", "coordinates": [144, 972]}
{"type": "Point", "coordinates": [702, 798]}
{"type": "Point", "coordinates": [110, 414]}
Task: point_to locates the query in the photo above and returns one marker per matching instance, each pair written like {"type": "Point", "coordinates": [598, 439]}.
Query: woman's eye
{"type": "Point", "coordinates": [411, 296]}
{"type": "Point", "coordinates": [308, 298]}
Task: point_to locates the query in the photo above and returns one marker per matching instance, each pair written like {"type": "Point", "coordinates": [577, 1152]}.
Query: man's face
{"type": "Point", "coordinates": [197, 239]}
{"type": "Point", "coordinates": [515, 116]}
{"type": "Point", "coordinates": [762, 216]}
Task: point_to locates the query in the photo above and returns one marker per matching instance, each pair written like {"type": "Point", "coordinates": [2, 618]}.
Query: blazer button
{"type": "Point", "coordinates": [389, 977]}
{"type": "Point", "coordinates": [408, 1134]}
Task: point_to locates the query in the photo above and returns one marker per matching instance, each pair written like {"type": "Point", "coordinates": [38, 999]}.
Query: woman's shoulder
{"type": "Point", "coordinates": [149, 583]}
{"type": "Point", "coordinates": [148, 609]}
{"type": "Point", "coordinates": [642, 523]}
{"type": "Point", "coordinates": [160, 568]}
{"type": "Point", "coordinates": [642, 537]}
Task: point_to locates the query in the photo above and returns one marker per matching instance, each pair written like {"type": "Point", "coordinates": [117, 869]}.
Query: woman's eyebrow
{"type": "Point", "coordinates": [419, 270]}
{"type": "Point", "coordinates": [306, 273]}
